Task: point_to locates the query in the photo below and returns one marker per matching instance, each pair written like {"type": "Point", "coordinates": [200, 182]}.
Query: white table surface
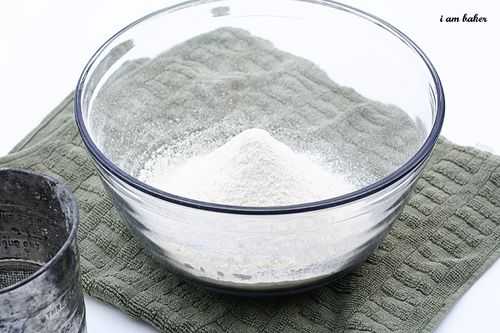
{"type": "Point", "coordinates": [44, 45]}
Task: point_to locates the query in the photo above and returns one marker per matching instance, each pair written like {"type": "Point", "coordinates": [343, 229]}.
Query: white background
{"type": "Point", "coordinates": [44, 45]}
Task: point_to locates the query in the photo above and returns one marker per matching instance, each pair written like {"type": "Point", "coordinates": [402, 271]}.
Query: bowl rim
{"type": "Point", "coordinates": [411, 164]}
{"type": "Point", "coordinates": [65, 197]}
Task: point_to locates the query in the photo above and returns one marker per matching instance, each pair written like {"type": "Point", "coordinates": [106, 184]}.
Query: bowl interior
{"type": "Point", "coordinates": [328, 81]}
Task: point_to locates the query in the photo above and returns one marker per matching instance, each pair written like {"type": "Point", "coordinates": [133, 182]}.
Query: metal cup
{"type": "Point", "coordinates": [40, 287]}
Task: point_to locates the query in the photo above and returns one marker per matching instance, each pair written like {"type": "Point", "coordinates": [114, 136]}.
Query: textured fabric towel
{"type": "Point", "coordinates": [446, 237]}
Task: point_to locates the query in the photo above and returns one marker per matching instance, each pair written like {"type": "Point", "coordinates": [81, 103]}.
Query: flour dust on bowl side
{"type": "Point", "coordinates": [256, 152]}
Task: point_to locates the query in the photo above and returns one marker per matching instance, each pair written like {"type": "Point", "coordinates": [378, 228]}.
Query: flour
{"type": "Point", "coordinates": [194, 97]}
{"type": "Point", "coordinates": [251, 169]}
{"type": "Point", "coordinates": [167, 121]}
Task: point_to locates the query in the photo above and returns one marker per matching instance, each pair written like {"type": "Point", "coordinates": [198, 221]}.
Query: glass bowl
{"type": "Point", "coordinates": [275, 249]}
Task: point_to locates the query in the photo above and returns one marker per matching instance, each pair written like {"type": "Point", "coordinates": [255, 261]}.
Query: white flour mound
{"type": "Point", "coordinates": [251, 169]}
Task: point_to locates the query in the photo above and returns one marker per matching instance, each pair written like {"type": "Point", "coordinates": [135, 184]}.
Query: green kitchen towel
{"type": "Point", "coordinates": [446, 237]}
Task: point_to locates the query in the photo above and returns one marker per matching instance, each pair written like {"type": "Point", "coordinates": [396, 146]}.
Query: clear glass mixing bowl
{"type": "Point", "coordinates": [261, 250]}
